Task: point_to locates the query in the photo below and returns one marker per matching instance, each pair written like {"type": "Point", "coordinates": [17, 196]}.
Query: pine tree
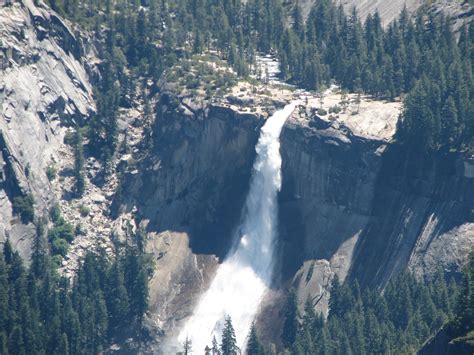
{"type": "Point", "coordinates": [215, 348]}
{"type": "Point", "coordinates": [290, 324]}
{"type": "Point", "coordinates": [254, 347]}
{"type": "Point", "coordinates": [117, 297]}
{"type": "Point", "coordinates": [4, 288]}
{"type": "Point", "coordinates": [100, 321]}
{"type": "Point", "coordinates": [309, 317]}
{"type": "Point", "coordinates": [79, 163]}
{"type": "Point", "coordinates": [40, 258]}
{"type": "Point", "coordinates": [64, 346]}
{"type": "Point", "coordinates": [335, 308]}
{"type": "Point", "coordinates": [418, 121]}
{"type": "Point", "coordinates": [3, 344]}
{"type": "Point", "coordinates": [449, 122]}
{"type": "Point", "coordinates": [187, 347]}
{"type": "Point", "coordinates": [464, 320]}
{"type": "Point", "coordinates": [298, 23]}
{"type": "Point", "coordinates": [8, 252]}
{"type": "Point", "coordinates": [136, 283]}
{"type": "Point", "coordinates": [229, 342]}
{"type": "Point", "coordinates": [197, 45]}
{"type": "Point", "coordinates": [15, 341]}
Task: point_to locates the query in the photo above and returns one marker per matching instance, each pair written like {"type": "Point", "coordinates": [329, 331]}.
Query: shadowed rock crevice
{"type": "Point", "coordinates": [8, 180]}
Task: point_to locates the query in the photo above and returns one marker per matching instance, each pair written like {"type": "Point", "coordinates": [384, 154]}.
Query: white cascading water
{"type": "Point", "coordinates": [243, 278]}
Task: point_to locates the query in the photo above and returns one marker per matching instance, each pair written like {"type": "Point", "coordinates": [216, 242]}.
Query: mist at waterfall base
{"type": "Point", "coordinates": [242, 279]}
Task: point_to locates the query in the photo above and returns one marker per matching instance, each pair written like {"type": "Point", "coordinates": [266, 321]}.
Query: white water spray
{"type": "Point", "coordinates": [243, 278]}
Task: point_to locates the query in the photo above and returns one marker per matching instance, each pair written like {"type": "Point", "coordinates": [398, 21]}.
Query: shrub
{"type": "Point", "coordinates": [23, 205]}
{"type": "Point", "coordinates": [59, 246]}
{"type": "Point", "coordinates": [192, 84]}
{"type": "Point", "coordinates": [84, 211]}
{"type": "Point", "coordinates": [79, 230]}
{"type": "Point", "coordinates": [51, 172]}
{"type": "Point", "coordinates": [61, 230]}
{"type": "Point", "coordinates": [335, 109]}
{"type": "Point", "coordinates": [69, 138]}
{"type": "Point", "coordinates": [186, 65]}
{"type": "Point", "coordinates": [55, 214]}
{"type": "Point", "coordinates": [80, 186]}
{"type": "Point", "coordinates": [57, 260]}
{"type": "Point", "coordinates": [322, 112]}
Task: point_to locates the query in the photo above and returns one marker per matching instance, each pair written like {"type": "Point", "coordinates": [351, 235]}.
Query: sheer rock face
{"type": "Point", "coordinates": [388, 10]}
{"type": "Point", "coordinates": [189, 192]}
{"type": "Point", "coordinates": [43, 85]}
{"type": "Point", "coordinates": [362, 193]}
{"type": "Point", "coordinates": [423, 217]}
{"type": "Point", "coordinates": [350, 204]}
{"type": "Point", "coordinates": [459, 10]}
{"type": "Point", "coordinates": [353, 206]}
{"type": "Point", "coordinates": [329, 178]}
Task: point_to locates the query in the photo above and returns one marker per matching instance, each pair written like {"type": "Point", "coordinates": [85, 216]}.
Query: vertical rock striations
{"type": "Point", "coordinates": [43, 85]}
{"type": "Point", "coordinates": [348, 204]}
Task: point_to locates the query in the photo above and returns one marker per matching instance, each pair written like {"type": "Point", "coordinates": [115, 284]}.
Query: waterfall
{"type": "Point", "coordinates": [242, 279]}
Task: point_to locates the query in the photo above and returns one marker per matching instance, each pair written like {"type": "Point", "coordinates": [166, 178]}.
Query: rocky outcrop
{"type": "Point", "coordinates": [422, 216]}
{"type": "Point", "coordinates": [461, 11]}
{"type": "Point", "coordinates": [325, 203]}
{"type": "Point", "coordinates": [347, 205]}
{"type": "Point", "coordinates": [353, 206]}
{"type": "Point", "coordinates": [196, 175]}
{"type": "Point", "coordinates": [43, 87]}
{"type": "Point", "coordinates": [188, 193]}
{"type": "Point", "coordinates": [388, 10]}
{"type": "Point", "coordinates": [443, 343]}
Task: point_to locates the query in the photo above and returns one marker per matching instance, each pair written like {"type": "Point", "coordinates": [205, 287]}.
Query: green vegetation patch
{"type": "Point", "coordinates": [60, 235]}
{"type": "Point", "coordinates": [24, 206]}
{"type": "Point", "coordinates": [199, 76]}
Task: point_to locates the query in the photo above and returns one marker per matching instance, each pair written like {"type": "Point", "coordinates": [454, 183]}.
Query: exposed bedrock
{"type": "Point", "coordinates": [197, 176]}
{"type": "Point", "coordinates": [44, 86]}
{"type": "Point", "coordinates": [328, 186]}
{"type": "Point", "coordinates": [342, 190]}
{"type": "Point", "coordinates": [422, 216]}
{"type": "Point", "coordinates": [350, 205]}
{"type": "Point", "coordinates": [355, 207]}
{"type": "Point", "coordinates": [189, 193]}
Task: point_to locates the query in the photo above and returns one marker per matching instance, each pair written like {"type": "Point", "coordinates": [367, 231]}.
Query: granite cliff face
{"type": "Point", "coordinates": [353, 206]}
{"type": "Point", "coordinates": [459, 10]}
{"type": "Point", "coordinates": [188, 192]}
{"type": "Point", "coordinates": [422, 217]}
{"type": "Point", "coordinates": [348, 205]}
{"type": "Point", "coordinates": [196, 175]}
{"type": "Point", "coordinates": [344, 190]}
{"type": "Point", "coordinates": [43, 87]}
